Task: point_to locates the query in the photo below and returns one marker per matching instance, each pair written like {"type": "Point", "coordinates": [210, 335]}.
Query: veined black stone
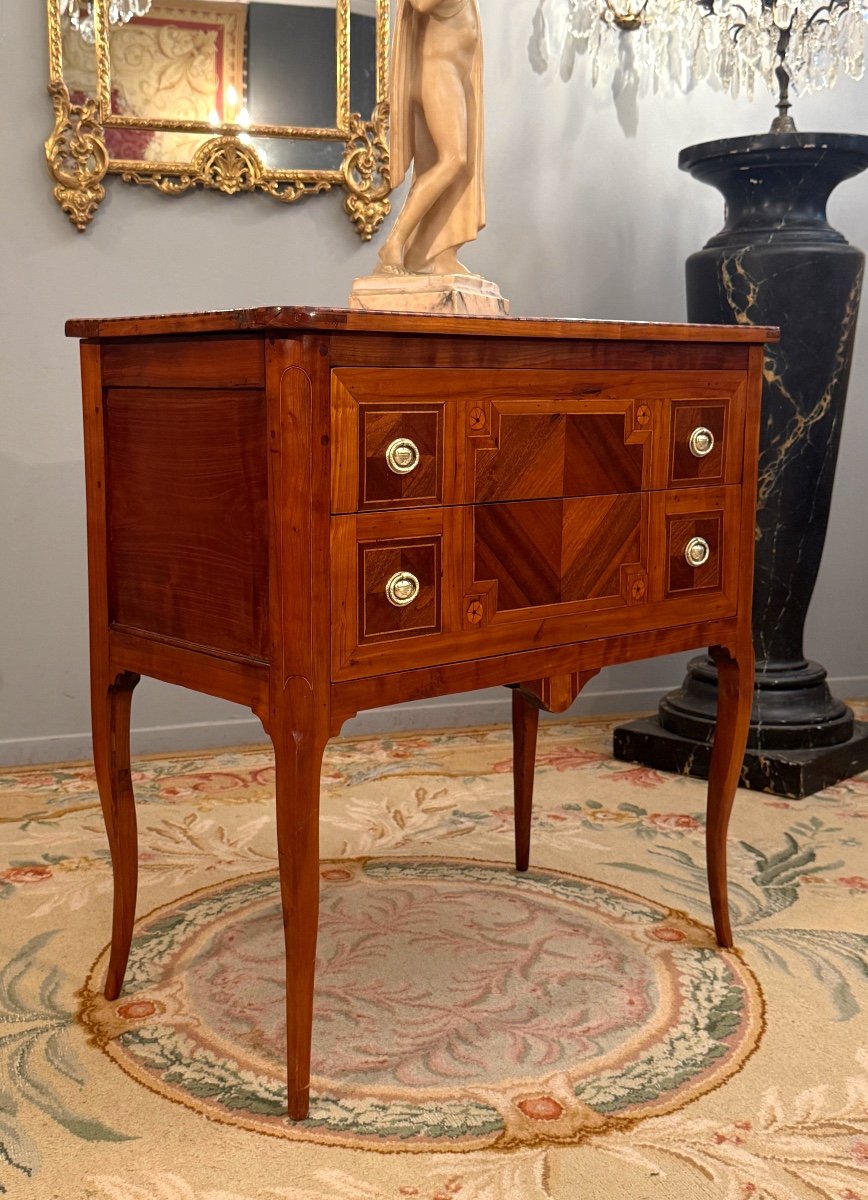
{"type": "Point", "coordinates": [777, 261]}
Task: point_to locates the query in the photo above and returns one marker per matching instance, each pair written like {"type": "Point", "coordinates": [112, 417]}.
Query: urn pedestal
{"type": "Point", "coordinates": [777, 261]}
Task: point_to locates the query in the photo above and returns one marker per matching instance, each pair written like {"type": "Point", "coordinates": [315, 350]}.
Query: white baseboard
{"type": "Point", "coordinates": [482, 708]}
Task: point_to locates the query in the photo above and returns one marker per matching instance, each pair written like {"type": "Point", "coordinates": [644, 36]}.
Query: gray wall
{"type": "Point", "coordinates": [583, 221]}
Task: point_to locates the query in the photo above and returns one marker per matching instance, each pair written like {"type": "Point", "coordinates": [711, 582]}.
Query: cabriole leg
{"type": "Point", "coordinates": [735, 696]}
{"type": "Point", "coordinates": [111, 701]}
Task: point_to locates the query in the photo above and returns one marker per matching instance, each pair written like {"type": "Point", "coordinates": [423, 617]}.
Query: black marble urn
{"type": "Point", "coordinates": [777, 261]}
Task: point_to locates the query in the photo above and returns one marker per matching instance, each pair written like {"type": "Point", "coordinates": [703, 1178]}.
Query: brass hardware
{"type": "Point", "coordinates": [402, 456]}
{"type": "Point", "coordinates": [402, 589]}
{"type": "Point", "coordinates": [701, 442]}
{"type": "Point", "coordinates": [696, 552]}
{"type": "Point", "coordinates": [227, 156]}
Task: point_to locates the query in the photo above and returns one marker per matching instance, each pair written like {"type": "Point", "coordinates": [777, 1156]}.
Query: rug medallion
{"type": "Point", "coordinates": [458, 1006]}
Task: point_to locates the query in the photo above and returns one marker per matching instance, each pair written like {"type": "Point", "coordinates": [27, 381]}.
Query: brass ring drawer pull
{"type": "Point", "coordinates": [402, 589]}
{"type": "Point", "coordinates": [697, 551]}
{"type": "Point", "coordinates": [701, 442]}
{"type": "Point", "coordinates": [402, 456]}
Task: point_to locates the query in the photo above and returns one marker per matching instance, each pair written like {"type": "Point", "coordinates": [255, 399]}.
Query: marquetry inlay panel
{"type": "Point", "coordinates": [546, 552]}
{"type": "Point", "coordinates": [690, 418]}
{"type": "Point", "coordinates": [558, 454]}
{"type": "Point", "coordinates": [378, 563]}
{"type": "Point", "coordinates": [420, 430]}
{"type": "Point", "coordinates": [682, 576]}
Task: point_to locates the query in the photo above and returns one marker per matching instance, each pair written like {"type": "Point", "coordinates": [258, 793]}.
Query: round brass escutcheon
{"type": "Point", "coordinates": [701, 442]}
{"type": "Point", "coordinates": [697, 551]}
{"type": "Point", "coordinates": [402, 456]}
{"type": "Point", "coordinates": [402, 589]}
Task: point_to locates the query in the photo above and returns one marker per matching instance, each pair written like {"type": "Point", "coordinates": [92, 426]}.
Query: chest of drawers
{"type": "Point", "coordinates": [314, 512]}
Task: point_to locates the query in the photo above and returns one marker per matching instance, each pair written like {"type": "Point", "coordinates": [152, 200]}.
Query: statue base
{"type": "Point", "coordinates": [444, 295]}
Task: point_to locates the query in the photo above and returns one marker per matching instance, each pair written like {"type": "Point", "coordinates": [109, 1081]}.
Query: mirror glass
{"type": "Point", "coordinates": [282, 77]}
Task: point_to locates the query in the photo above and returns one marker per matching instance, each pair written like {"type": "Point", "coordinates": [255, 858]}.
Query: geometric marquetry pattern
{"type": "Point", "coordinates": [687, 416]}
{"type": "Point", "coordinates": [377, 563]}
{"type": "Point", "coordinates": [379, 426]}
{"type": "Point", "coordinates": [558, 454]}
{"type": "Point", "coordinates": [682, 576]}
{"type": "Point", "coordinates": [556, 551]}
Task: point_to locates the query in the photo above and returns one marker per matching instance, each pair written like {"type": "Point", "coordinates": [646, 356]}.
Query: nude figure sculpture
{"type": "Point", "coordinates": [436, 124]}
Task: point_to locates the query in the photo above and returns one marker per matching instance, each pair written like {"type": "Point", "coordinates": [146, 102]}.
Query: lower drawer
{"type": "Point", "coordinates": [416, 589]}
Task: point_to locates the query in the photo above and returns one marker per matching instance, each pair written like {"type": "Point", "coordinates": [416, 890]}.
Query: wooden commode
{"type": "Point", "coordinates": [315, 512]}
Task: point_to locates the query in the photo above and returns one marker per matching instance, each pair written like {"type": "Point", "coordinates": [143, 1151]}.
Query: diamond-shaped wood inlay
{"type": "Point", "coordinates": [557, 551]}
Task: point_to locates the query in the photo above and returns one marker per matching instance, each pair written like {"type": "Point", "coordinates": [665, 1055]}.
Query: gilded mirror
{"type": "Point", "coordinates": [285, 97]}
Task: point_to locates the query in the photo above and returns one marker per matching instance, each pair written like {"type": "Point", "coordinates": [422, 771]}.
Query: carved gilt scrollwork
{"type": "Point", "coordinates": [226, 164]}
{"type": "Point", "coordinates": [77, 156]}
{"type": "Point", "coordinates": [365, 171]}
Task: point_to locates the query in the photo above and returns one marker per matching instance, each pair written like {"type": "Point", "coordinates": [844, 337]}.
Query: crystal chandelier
{"type": "Point", "coordinates": [80, 13]}
{"type": "Point", "coordinates": [801, 45]}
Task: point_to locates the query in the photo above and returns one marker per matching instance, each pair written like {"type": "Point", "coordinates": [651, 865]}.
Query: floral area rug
{"type": "Point", "coordinates": [478, 1035]}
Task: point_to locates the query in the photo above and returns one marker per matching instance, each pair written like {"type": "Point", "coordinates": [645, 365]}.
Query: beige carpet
{"type": "Point", "coordinates": [478, 1035]}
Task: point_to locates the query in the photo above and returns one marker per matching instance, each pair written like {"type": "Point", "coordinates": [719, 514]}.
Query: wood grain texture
{"type": "Point", "coordinates": [592, 654]}
{"type": "Point", "coordinates": [379, 485]}
{"type": "Point", "coordinates": [735, 678]}
{"type": "Point", "coordinates": [298, 719]}
{"type": "Point", "coordinates": [187, 503]}
{"type": "Point", "coordinates": [110, 690]}
{"type": "Point", "coordinates": [378, 563]}
{"type": "Point", "coordinates": [110, 723]}
{"type": "Point", "coordinates": [239, 679]}
{"type": "Point", "coordinates": [326, 320]}
{"type": "Point", "coordinates": [241, 530]}
{"type": "Point", "coordinates": [525, 726]}
{"type": "Point", "coordinates": [546, 552]}
{"type": "Point", "coordinates": [519, 434]}
{"type": "Point", "coordinates": [685, 467]}
{"type": "Point", "coordinates": [548, 575]}
{"type": "Point", "coordinates": [555, 693]}
{"type": "Point", "coordinates": [185, 363]}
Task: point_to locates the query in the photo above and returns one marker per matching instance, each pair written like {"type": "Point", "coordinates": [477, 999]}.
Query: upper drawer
{"type": "Point", "coordinates": [417, 437]}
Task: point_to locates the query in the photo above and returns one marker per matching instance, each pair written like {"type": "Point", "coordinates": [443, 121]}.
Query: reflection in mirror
{"type": "Point", "coordinates": [228, 93]}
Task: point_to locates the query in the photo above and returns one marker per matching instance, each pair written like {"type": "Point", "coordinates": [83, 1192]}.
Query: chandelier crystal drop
{"type": "Point", "coordinates": [654, 45]}
{"type": "Point", "coordinates": [80, 13]}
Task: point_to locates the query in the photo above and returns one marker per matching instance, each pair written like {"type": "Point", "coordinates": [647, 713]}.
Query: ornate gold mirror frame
{"type": "Point", "coordinates": [227, 160]}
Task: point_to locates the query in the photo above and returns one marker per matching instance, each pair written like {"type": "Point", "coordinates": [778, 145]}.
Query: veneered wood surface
{"type": "Point", "coordinates": [187, 504]}
{"type": "Point", "coordinates": [354, 695]}
{"type": "Point", "coordinates": [546, 552]}
{"type": "Point", "coordinates": [519, 434]}
{"type": "Point", "coordinates": [239, 679]}
{"type": "Point", "coordinates": [378, 562]}
{"type": "Point", "coordinates": [328, 320]}
{"type": "Point", "coordinates": [380, 426]}
{"type": "Point", "coordinates": [473, 352]}
{"type": "Point", "coordinates": [207, 362]}
{"type": "Point", "coordinates": [547, 527]}
{"type": "Point", "coordinates": [567, 570]}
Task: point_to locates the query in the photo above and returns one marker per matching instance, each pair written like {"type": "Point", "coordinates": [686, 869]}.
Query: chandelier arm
{"type": "Point", "coordinates": [783, 122]}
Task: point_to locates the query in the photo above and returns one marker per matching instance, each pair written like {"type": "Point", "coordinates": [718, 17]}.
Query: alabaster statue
{"type": "Point", "coordinates": [435, 126]}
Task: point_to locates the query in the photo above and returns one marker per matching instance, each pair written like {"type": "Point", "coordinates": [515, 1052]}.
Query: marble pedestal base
{"type": "Point", "coordinates": [791, 773]}
{"type": "Point", "coordinates": [777, 261]}
{"type": "Point", "coordinates": [445, 295]}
